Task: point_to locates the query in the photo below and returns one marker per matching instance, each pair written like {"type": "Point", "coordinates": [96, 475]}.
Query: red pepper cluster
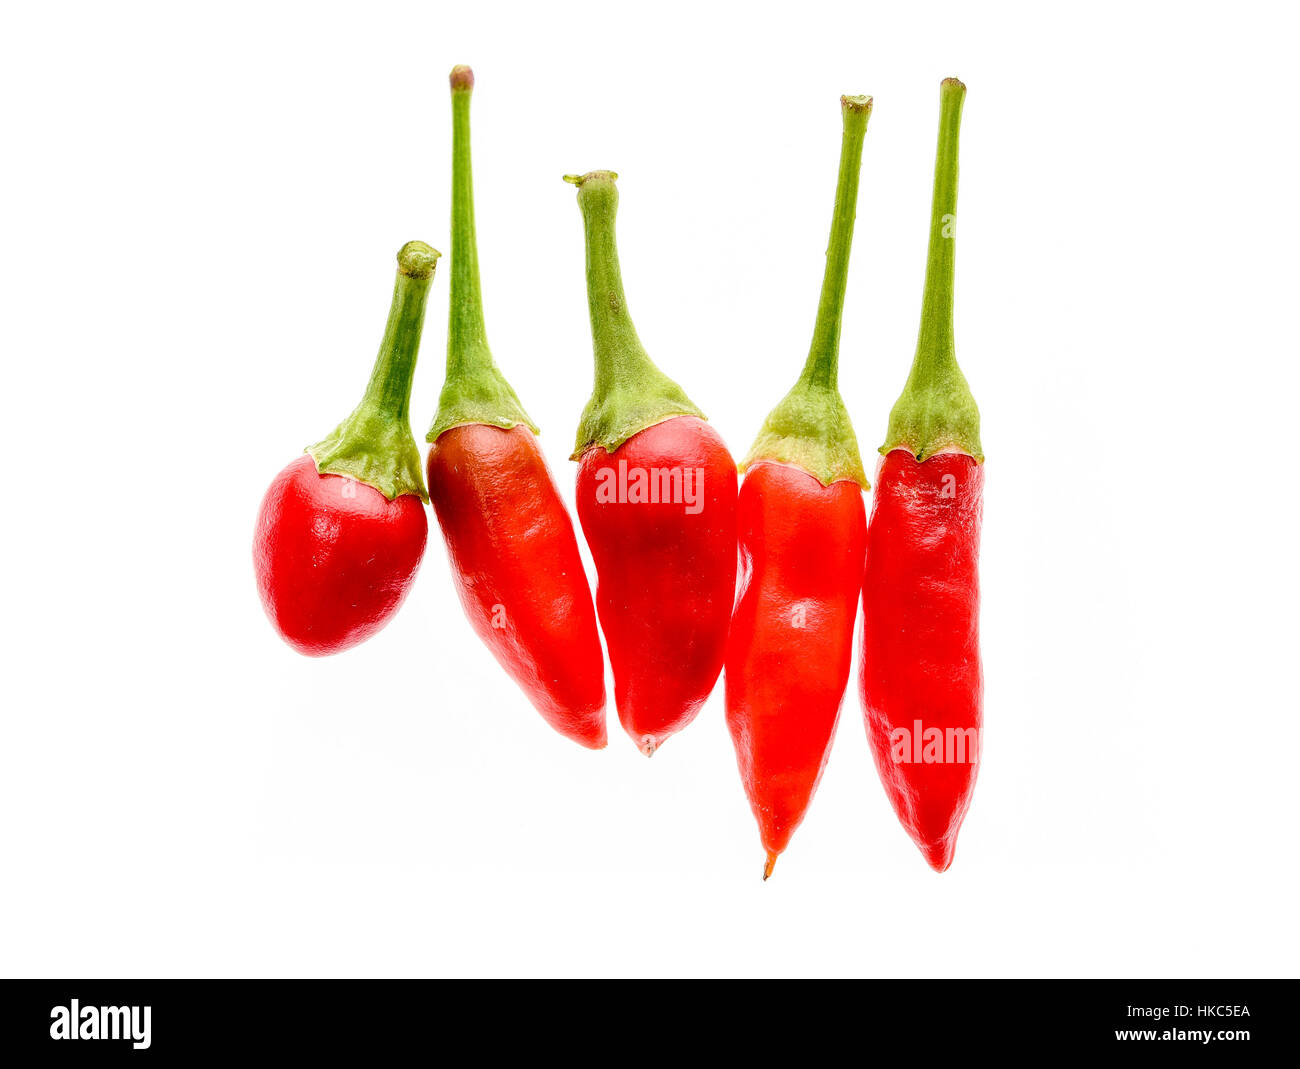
{"type": "Point", "coordinates": [341, 532]}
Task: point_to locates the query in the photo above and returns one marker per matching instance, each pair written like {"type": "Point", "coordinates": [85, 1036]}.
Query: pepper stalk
{"type": "Point", "coordinates": [474, 391]}
{"type": "Point", "coordinates": [630, 392]}
{"type": "Point", "coordinates": [374, 444]}
{"type": "Point", "coordinates": [810, 428]}
{"type": "Point", "coordinates": [936, 412]}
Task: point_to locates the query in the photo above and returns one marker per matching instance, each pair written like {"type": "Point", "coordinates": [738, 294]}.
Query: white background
{"type": "Point", "coordinates": [201, 208]}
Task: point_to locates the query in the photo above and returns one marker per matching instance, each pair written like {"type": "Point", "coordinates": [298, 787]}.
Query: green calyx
{"type": "Point", "coordinates": [936, 412]}
{"type": "Point", "coordinates": [375, 445]}
{"type": "Point", "coordinates": [475, 391]}
{"type": "Point", "coordinates": [810, 428]}
{"type": "Point", "coordinates": [630, 392]}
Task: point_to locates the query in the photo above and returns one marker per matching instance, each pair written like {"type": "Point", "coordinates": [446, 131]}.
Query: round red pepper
{"type": "Point", "coordinates": [802, 529]}
{"type": "Point", "coordinates": [657, 503]}
{"type": "Point", "coordinates": [922, 687]}
{"type": "Point", "coordinates": [514, 556]}
{"type": "Point", "coordinates": [341, 532]}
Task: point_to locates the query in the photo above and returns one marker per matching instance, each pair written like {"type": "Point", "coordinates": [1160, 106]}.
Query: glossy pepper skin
{"type": "Point", "coordinates": [791, 644]}
{"type": "Point", "coordinates": [667, 572]}
{"type": "Point", "coordinates": [657, 502]}
{"type": "Point", "coordinates": [516, 565]}
{"type": "Point", "coordinates": [922, 682]}
{"type": "Point", "coordinates": [334, 557]}
{"type": "Point", "coordinates": [341, 532]}
{"type": "Point", "coordinates": [513, 552]}
{"type": "Point", "coordinates": [802, 530]}
{"type": "Point", "coordinates": [920, 642]}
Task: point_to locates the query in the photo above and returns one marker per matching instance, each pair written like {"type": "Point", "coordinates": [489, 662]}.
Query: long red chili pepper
{"type": "Point", "coordinates": [340, 532]}
{"type": "Point", "coordinates": [657, 503]}
{"type": "Point", "coordinates": [513, 552]}
{"type": "Point", "coordinates": [802, 536]}
{"type": "Point", "coordinates": [922, 686]}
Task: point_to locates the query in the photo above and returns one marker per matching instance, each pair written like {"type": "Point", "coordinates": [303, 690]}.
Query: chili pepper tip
{"type": "Point", "coordinates": [939, 854]}
{"type": "Point", "coordinates": [648, 745]}
{"type": "Point", "coordinates": [771, 864]}
{"type": "Point", "coordinates": [462, 77]}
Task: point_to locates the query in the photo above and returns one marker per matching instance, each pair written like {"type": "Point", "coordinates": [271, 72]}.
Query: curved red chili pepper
{"type": "Point", "coordinates": [518, 572]}
{"type": "Point", "coordinates": [802, 530]}
{"type": "Point", "coordinates": [657, 503]}
{"type": "Point", "coordinates": [922, 689]}
{"type": "Point", "coordinates": [341, 532]}
{"type": "Point", "coordinates": [514, 556]}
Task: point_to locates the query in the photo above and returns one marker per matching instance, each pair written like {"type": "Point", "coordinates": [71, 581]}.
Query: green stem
{"type": "Point", "coordinates": [936, 336]}
{"type": "Point", "coordinates": [936, 411]}
{"type": "Point", "coordinates": [824, 355]}
{"type": "Point", "coordinates": [811, 428]}
{"type": "Point", "coordinates": [475, 391]}
{"type": "Point", "coordinates": [630, 392]}
{"type": "Point", "coordinates": [374, 444]}
{"type": "Point", "coordinates": [618, 351]}
{"type": "Point", "coordinates": [466, 333]}
{"type": "Point", "coordinates": [389, 389]}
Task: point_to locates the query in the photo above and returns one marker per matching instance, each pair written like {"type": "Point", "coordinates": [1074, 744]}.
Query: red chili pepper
{"type": "Point", "coordinates": [513, 552]}
{"type": "Point", "coordinates": [341, 532]}
{"type": "Point", "coordinates": [922, 687]}
{"type": "Point", "coordinates": [657, 503]}
{"type": "Point", "coordinates": [802, 537]}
